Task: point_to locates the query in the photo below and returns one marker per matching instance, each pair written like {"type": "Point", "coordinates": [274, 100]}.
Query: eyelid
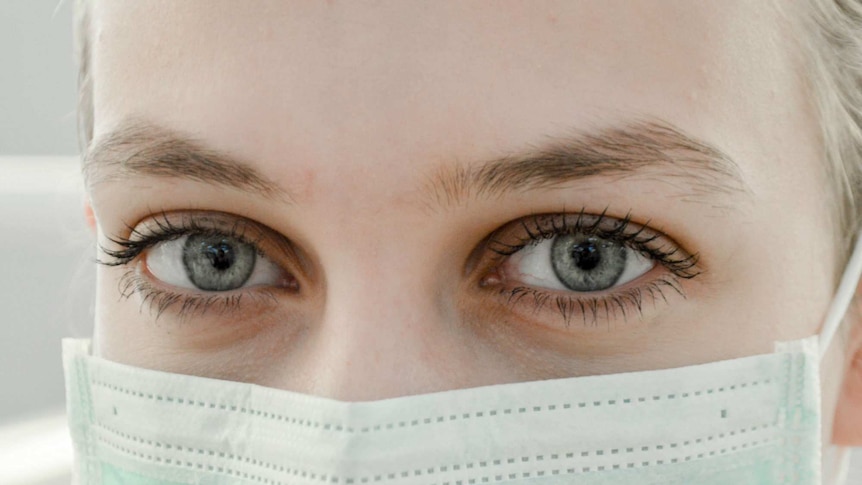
{"type": "Point", "coordinates": [674, 264]}
{"type": "Point", "coordinates": [517, 234]}
{"type": "Point", "coordinates": [166, 226]}
{"type": "Point", "coordinates": [159, 297]}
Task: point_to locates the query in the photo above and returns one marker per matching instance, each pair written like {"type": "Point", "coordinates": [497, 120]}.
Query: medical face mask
{"type": "Point", "coordinates": [752, 420]}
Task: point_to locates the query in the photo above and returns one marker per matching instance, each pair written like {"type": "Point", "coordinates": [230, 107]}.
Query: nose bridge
{"type": "Point", "coordinates": [379, 329]}
{"type": "Point", "coordinates": [367, 349]}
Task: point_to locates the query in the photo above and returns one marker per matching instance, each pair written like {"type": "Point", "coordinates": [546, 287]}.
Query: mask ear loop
{"type": "Point", "coordinates": [843, 297]}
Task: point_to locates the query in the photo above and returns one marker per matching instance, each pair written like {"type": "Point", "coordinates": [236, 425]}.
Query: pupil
{"type": "Point", "coordinates": [215, 263]}
{"type": "Point", "coordinates": [587, 263]}
{"type": "Point", "coordinates": [586, 255]}
{"type": "Point", "coordinates": [221, 255]}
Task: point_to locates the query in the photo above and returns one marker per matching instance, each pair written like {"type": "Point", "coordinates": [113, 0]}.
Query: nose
{"type": "Point", "coordinates": [395, 319]}
{"type": "Point", "coordinates": [383, 335]}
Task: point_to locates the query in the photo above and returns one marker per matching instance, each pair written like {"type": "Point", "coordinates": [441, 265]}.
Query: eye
{"type": "Point", "coordinates": [581, 253]}
{"type": "Point", "coordinates": [211, 262]}
{"type": "Point", "coordinates": [577, 262]}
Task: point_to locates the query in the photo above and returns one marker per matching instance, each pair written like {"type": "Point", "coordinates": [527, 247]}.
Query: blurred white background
{"type": "Point", "coordinates": [47, 273]}
{"type": "Point", "coordinates": [47, 277]}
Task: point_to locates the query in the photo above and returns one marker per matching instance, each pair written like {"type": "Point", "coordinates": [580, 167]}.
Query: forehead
{"type": "Point", "coordinates": [336, 85]}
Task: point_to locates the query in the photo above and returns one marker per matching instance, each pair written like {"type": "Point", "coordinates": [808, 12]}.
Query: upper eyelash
{"type": "Point", "coordinates": [541, 227]}
{"type": "Point", "coordinates": [138, 241]}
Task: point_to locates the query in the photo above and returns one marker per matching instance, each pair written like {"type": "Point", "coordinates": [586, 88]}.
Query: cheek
{"type": "Point", "coordinates": [128, 330]}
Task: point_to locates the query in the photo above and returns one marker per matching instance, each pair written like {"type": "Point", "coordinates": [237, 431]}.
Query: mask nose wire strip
{"type": "Point", "coordinates": [843, 296]}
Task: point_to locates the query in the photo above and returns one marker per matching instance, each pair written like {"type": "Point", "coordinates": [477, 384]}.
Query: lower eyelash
{"type": "Point", "coordinates": [159, 300]}
{"type": "Point", "coordinates": [592, 308]}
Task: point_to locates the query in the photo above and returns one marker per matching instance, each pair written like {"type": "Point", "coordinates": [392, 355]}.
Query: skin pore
{"type": "Point", "coordinates": [379, 155]}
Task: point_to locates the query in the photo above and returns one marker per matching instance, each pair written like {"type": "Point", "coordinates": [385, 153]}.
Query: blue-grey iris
{"type": "Point", "coordinates": [587, 263]}
{"type": "Point", "coordinates": [218, 263]}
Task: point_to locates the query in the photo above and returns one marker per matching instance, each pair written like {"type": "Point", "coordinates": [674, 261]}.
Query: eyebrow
{"type": "Point", "coordinates": [140, 148]}
{"type": "Point", "coordinates": [650, 147]}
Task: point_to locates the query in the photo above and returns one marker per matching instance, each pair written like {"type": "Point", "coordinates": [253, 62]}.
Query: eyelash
{"type": "Point", "coordinates": [538, 228]}
{"type": "Point", "coordinates": [534, 229]}
{"type": "Point", "coordinates": [161, 299]}
{"type": "Point", "coordinates": [138, 241]}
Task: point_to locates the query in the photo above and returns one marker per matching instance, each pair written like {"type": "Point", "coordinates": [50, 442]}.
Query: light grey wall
{"type": "Point", "coordinates": [37, 78]}
{"type": "Point", "coordinates": [46, 281]}
{"type": "Point", "coordinates": [37, 117]}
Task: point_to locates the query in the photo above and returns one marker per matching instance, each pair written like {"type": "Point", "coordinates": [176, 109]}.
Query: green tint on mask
{"type": "Point", "coordinates": [748, 420]}
{"type": "Point", "coordinates": [112, 475]}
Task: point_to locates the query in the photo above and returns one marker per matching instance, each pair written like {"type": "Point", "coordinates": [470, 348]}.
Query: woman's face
{"type": "Point", "coordinates": [383, 200]}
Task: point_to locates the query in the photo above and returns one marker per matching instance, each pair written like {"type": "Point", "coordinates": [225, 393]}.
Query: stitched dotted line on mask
{"type": "Point", "coordinates": [426, 420]}
{"type": "Point", "coordinates": [227, 470]}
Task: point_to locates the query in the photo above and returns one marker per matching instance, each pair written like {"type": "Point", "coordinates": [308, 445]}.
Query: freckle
{"type": "Point", "coordinates": [306, 186]}
{"type": "Point", "coordinates": [552, 19]}
{"type": "Point", "coordinates": [693, 95]}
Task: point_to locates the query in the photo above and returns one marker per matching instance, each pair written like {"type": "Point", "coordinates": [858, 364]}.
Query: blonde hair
{"type": "Point", "coordinates": [82, 43]}
{"type": "Point", "coordinates": [831, 45]}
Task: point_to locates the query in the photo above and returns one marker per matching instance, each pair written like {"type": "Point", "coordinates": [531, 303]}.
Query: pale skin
{"type": "Point", "coordinates": [352, 110]}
